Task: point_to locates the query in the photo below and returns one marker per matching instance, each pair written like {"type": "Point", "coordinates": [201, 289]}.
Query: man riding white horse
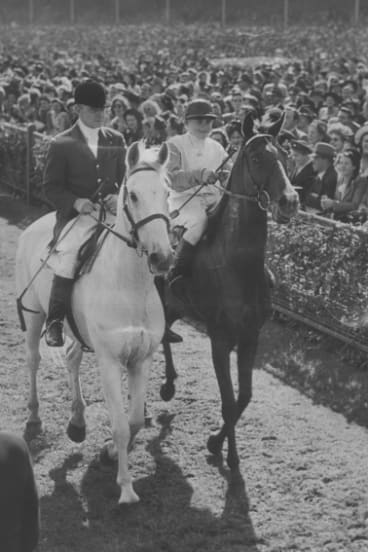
{"type": "Point", "coordinates": [82, 161]}
{"type": "Point", "coordinates": [194, 158]}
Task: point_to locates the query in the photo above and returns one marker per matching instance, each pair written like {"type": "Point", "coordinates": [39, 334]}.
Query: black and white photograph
{"type": "Point", "coordinates": [183, 276]}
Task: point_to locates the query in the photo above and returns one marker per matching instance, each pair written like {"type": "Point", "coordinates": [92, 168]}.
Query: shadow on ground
{"type": "Point", "coordinates": [316, 367]}
{"type": "Point", "coordinates": [164, 520]}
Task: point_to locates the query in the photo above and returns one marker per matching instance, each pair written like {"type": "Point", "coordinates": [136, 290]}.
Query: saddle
{"type": "Point", "coordinates": [87, 255]}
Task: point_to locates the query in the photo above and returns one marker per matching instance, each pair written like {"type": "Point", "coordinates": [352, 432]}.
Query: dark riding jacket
{"type": "Point", "coordinates": [73, 172]}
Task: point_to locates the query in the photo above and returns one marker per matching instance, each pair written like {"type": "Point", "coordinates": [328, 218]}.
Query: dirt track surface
{"type": "Point", "coordinates": [304, 466]}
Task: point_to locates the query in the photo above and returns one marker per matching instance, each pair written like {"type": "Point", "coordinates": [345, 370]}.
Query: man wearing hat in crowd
{"type": "Point", "coordinates": [194, 158]}
{"type": "Point", "coordinates": [84, 164]}
{"type": "Point", "coordinates": [325, 182]}
{"type": "Point", "coordinates": [303, 175]}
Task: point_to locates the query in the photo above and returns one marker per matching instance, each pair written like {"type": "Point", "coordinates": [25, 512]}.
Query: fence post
{"type": "Point", "coordinates": [356, 12]}
{"type": "Point", "coordinates": [286, 14]}
{"type": "Point", "coordinates": [167, 11]}
{"type": "Point", "coordinates": [223, 13]}
{"type": "Point", "coordinates": [29, 158]}
{"type": "Point", "coordinates": [72, 12]}
{"type": "Point", "coordinates": [117, 12]}
{"type": "Point", "coordinates": [31, 11]}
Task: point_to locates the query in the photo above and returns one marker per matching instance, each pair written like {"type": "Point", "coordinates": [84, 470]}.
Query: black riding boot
{"type": "Point", "coordinates": [170, 336]}
{"type": "Point", "coordinates": [61, 290]}
{"type": "Point", "coordinates": [182, 268]}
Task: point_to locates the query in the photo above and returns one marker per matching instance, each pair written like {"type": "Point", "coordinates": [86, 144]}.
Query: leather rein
{"type": "Point", "coordinates": [133, 239]}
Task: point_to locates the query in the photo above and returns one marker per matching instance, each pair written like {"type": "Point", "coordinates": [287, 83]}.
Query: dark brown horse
{"type": "Point", "coordinates": [229, 290]}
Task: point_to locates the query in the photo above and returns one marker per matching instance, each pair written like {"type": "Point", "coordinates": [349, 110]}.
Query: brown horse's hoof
{"type": "Point", "coordinates": [167, 391]}
{"type": "Point", "coordinates": [32, 430]}
{"type": "Point", "coordinates": [75, 433]}
{"type": "Point", "coordinates": [214, 445]}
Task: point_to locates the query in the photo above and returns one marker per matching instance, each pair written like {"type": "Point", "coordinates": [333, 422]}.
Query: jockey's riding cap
{"type": "Point", "coordinates": [199, 109]}
{"type": "Point", "coordinates": [90, 93]}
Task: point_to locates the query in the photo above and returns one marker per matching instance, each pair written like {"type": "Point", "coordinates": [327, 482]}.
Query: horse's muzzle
{"type": "Point", "coordinates": [286, 208]}
{"type": "Point", "coordinates": [160, 263]}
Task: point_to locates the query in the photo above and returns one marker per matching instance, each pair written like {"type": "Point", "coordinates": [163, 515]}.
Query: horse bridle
{"type": "Point", "coordinates": [262, 197]}
{"type": "Point", "coordinates": [133, 240]}
{"type": "Point", "coordinates": [135, 226]}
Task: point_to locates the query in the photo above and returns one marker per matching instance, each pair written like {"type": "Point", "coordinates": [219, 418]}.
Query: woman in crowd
{"type": "Point", "coordinates": [58, 117]}
{"type": "Point", "coordinates": [118, 108]}
{"type": "Point", "coordinates": [220, 136]}
{"type": "Point", "coordinates": [350, 188]}
{"type": "Point", "coordinates": [133, 122]}
{"type": "Point", "coordinates": [233, 131]}
{"type": "Point", "coordinates": [361, 140]}
{"type": "Point", "coordinates": [340, 137]}
{"type": "Point", "coordinates": [150, 108]}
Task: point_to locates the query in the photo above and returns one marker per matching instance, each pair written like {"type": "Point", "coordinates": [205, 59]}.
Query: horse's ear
{"type": "Point", "coordinates": [163, 154]}
{"type": "Point", "coordinates": [132, 157]}
{"type": "Point", "coordinates": [247, 127]}
{"type": "Point", "coordinates": [275, 128]}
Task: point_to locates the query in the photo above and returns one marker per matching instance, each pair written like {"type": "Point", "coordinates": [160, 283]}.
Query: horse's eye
{"type": "Point", "coordinates": [133, 197]}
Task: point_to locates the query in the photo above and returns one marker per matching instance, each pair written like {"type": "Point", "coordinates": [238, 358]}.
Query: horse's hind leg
{"type": "Point", "coordinates": [167, 390]}
{"type": "Point", "coordinates": [77, 425]}
{"type": "Point", "coordinates": [110, 370]}
{"type": "Point", "coordinates": [34, 323]}
{"type": "Point", "coordinates": [137, 382]}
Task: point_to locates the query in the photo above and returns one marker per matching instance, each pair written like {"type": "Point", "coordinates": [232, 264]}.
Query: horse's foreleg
{"type": "Point", "coordinates": [168, 388]}
{"type": "Point", "coordinates": [246, 356]}
{"type": "Point", "coordinates": [111, 381]}
{"type": "Point", "coordinates": [34, 323]}
{"type": "Point", "coordinates": [137, 382]}
{"type": "Point", "coordinates": [221, 362]}
{"type": "Point", "coordinates": [77, 426]}
{"type": "Point", "coordinates": [246, 352]}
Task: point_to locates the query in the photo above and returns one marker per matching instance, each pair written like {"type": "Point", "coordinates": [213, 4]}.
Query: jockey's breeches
{"type": "Point", "coordinates": [64, 260]}
{"type": "Point", "coordinates": [194, 217]}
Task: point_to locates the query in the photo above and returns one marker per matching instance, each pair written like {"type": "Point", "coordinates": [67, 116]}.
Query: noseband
{"type": "Point", "coordinates": [135, 226]}
{"type": "Point", "coordinates": [262, 197]}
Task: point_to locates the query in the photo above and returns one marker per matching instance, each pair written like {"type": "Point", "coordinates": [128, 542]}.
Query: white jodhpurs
{"type": "Point", "coordinates": [64, 260]}
{"type": "Point", "coordinates": [194, 217]}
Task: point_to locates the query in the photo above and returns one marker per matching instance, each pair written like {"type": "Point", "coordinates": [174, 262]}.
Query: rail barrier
{"type": "Point", "coordinates": [321, 266]}
{"type": "Point", "coordinates": [22, 155]}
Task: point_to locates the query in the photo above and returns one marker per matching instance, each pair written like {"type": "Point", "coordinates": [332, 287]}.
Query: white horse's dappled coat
{"type": "Point", "coordinates": [116, 305]}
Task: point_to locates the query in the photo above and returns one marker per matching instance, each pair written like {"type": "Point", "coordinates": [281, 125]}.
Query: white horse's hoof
{"type": "Point", "coordinates": [128, 495]}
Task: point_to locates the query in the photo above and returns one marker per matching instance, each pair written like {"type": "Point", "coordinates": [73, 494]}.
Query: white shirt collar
{"type": "Point", "coordinates": [91, 134]}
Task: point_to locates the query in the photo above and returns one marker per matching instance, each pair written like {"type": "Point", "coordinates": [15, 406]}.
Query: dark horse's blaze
{"type": "Point", "coordinates": [228, 289]}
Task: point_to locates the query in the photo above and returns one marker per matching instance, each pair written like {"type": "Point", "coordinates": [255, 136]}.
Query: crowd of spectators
{"type": "Point", "coordinates": [317, 77]}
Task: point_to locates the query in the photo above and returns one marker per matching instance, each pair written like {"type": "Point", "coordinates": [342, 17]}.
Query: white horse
{"type": "Point", "coordinates": [116, 306]}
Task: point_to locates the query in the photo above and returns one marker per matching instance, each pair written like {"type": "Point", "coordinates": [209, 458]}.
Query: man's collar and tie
{"type": "Point", "coordinates": [91, 136]}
